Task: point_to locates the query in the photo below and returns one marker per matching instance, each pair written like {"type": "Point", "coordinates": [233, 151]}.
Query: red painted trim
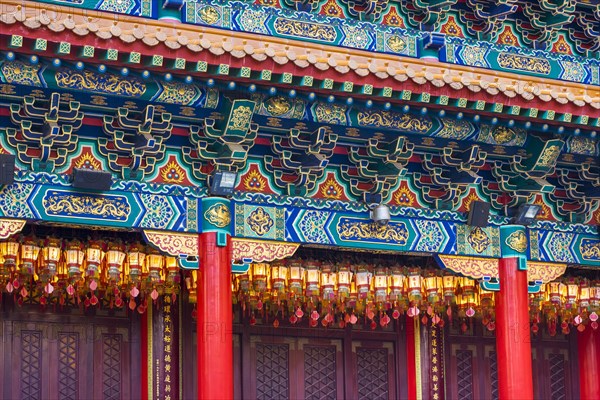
{"type": "Point", "coordinates": [144, 355]}
{"type": "Point", "coordinates": [513, 336]}
{"type": "Point", "coordinates": [588, 348]}
{"type": "Point", "coordinates": [268, 64]}
{"type": "Point", "coordinates": [410, 358]}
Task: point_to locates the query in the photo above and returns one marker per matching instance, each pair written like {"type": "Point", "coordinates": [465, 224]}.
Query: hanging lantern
{"type": "Point", "coordinates": [363, 281]}
{"type": "Point", "coordinates": [51, 253]}
{"type": "Point", "coordinates": [467, 296]}
{"type": "Point", "coordinates": [9, 250]}
{"type": "Point", "coordinates": [433, 285]}
{"type": "Point", "coordinates": [296, 274]}
{"type": "Point", "coordinates": [114, 260]}
{"type": "Point", "coordinates": [328, 281]}
{"type": "Point", "coordinates": [74, 259]}
{"type": "Point", "coordinates": [449, 283]}
{"type": "Point", "coordinates": [94, 255]}
{"type": "Point", "coordinates": [312, 278]}
{"type": "Point", "coordinates": [584, 293]}
{"type": "Point", "coordinates": [380, 284]}
{"type": "Point", "coordinates": [279, 274]}
{"type": "Point", "coordinates": [595, 295]}
{"type": "Point", "coordinates": [155, 264]}
{"type": "Point", "coordinates": [415, 285]}
{"type": "Point", "coordinates": [29, 254]}
{"type": "Point", "coordinates": [136, 257]}
{"type": "Point", "coordinates": [557, 293]}
{"type": "Point", "coordinates": [486, 298]}
{"type": "Point", "coordinates": [259, 276]}
{"type": "Point", "coordinates": [172, 269]}
{"type": "Point", "coordinates": [191, 284]}
{"type": "Point", "coordinates": [243, 282]}
{"type": "Point", "coordinates": [344, 280]}
{"type": "Point", "coordinates": [572, 292]}
{"type": "Point", "coordinates": [397, 280]}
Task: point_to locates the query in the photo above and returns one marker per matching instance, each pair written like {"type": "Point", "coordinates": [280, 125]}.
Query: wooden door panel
{"type": "Point", "coordinates": [375, 370]}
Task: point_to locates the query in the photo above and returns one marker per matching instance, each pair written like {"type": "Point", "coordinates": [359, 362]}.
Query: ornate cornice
{"type": "Point", "coordinates": [342, 63]}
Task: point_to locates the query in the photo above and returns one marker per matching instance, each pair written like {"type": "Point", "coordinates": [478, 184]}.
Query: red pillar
{"type": "Point", "coordinates": [215, 342]}
{"type": "Point", "coordinates": [588, 343]}
{"type": "Point", "coordinates": [513, 341]}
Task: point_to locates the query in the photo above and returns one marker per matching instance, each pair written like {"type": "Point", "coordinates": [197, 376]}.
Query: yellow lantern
{"type": "Point", "coordinates": [296, 274]}
{"type": "Point", "coordinates": [93, 257]}
{"type": "Point", "coordinates": [344, 279]}
{"type": "Point", "coordinates": [51, 253]}
{"type": "Point", "coordinates": [259, 276]}
{"type": "Point", "coordinates": [397, 281]}
{"type": "Point", "coordinates": [328, 281]}
{"type": "Point", "coordinates": [380, 284]}
{"type": "Point", "coordinates": [595, 295]}
{"type": "Point", "coordinates": [114, 259]}
{"type": "Point", "coordinates": [415, 285]}
{"type": "Point", "coordinates": [433, 285]}
{"type": "Point", "coordinates": [172, 269]}
{"type": "Point", "coordinates": [449, 283]}
{"type": "Point", "coordinates": [312, 278]}
{"type": "Point", "coordinates": [9, 250]}
{"type": "Point", "coordinates": [557, 293]}
{"type": "Point", "coordinates": [74, 259]}
{"type": "Point", "coordinates": [467, 297]}
{"type": "Point", "coordinates": [136, 257]}
{"type": "Point", "coordinates": [191, 283]}
{"type": "Point", "coordinates": [155, 264]}
{"type": "Point", "coordinates": [363, 281]}
{"type": "Point", "coordinates": [572, 292]}
{"type": "Point", "coordinates": [584, 293]}
{"type": "Point", "coordinates": [29, 254]}
{"type": "Point", "coordinates": [279, 275]}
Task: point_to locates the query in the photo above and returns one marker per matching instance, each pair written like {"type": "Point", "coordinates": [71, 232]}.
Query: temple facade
{"type": "Point", "coordinates": [286, 199]}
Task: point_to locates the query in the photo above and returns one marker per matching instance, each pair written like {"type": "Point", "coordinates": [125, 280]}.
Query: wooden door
{"type": "Point", "coordinates": [55, 357]}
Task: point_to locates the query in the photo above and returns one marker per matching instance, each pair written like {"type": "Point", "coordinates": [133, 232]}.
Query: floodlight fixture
{"type": "Point", "coordinates": [222, 183]}
{"type": "Point", "coordinates": [526, 214]}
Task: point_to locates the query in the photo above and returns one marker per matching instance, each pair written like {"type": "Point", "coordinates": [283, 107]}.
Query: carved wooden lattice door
{"type": "Point", "coordinates": [89, 359]}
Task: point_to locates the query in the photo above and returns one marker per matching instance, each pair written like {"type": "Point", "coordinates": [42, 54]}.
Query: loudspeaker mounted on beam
{"type": "Point", "coordinates": [7, 169]}
{"type": "Point", "coordinates": [84, 178]}
{"type": "Point", "coordinates": [478, 214]}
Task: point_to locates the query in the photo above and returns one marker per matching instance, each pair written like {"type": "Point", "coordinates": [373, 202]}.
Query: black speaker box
{"type": "Point", "coordinates": [84, 178]}
{"type": "Point", "coordinates": [479, 213]}
{"type": "Point", "coordinates": [7, 169]}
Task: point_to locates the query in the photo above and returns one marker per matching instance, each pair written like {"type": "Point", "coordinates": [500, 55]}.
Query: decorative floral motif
{"type": "Point", "coordinates": [455, 129]}
{"type": "Point", "coordinates": [178, 93]}
{"type": "Point", "coordinates": [172, 173]}
{"type": "Point", "coordinates": [431, 236]}
{"type": "Point", "coordinates": [117, 6]}
{"type": "Point", "coordinates": [524, 63]}
{"type": "Point", "coordinates": [562, 46]}
{"type": "Point", "coordinates": [517, 241]}
{"type": "Point", "coordinates": [158, 212]}
{"type": "Point", "coordinates": [254, 182]}
{"type": "Point", "coordinates": [389, 119]}
{"type": "Point", "coordinates": [507, 37]}
{"type": "Point", "coordinates": [87, 161]}
{"type": "Point", "coordinates": [332, 9]}
{"type": "Point", "coordinates": [582, 145]}
{"type": "Point", "coordinates": [9, 227]}
{"type": "Point", "coordinates": [240, 118]}
{"type": "Point", "coordinates": [262, 251]}
{"type": "Point", "coordinates": [590, 249]}
{"type": "Point", "coordinates": [18, 72]}
{"type": "Point", "coordinates": [260, 221]}
{"type": "Point", "coordinates": [479, 240]}
{"type": "Point", "coordinates": [474, 56]}
{"type": "Point", "coordinates": [105, 83]}
{"type": "Point", "coordinates": [13, 198]}
{"type": "Point", "coordinates": [331, 113]}
{"type": "Point", "coordinates": [61, 203]}
{"type": "Point", "coordinates": [451, 28]}
{"type": "Point", "coordinates": [559, 247]}
{"type": "Point", "coordinates": [359, 230]}
{"type": "Point", "coordinates": [332, 190]}
{"type": "Point", "coordinates": [405, 197]}
{"type": "Point", "coordinates": [174, 244]}
{"type": "Point", "coordinates": [218, 214]}
{"type": "Point", "coordinates": [312, 226]}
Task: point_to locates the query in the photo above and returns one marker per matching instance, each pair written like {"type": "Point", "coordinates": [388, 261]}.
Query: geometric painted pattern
{"type": "Point", "coordinates": [464, 372]}
{"type": "Point", "coordinates": [557, 376]}
{"type": "Point", "coordinates": [67, 365]}
{"type": "Point", "coordinates": [272, 371]}
{"type": "Point", "coordinates": [319, 372]}
{"type": "Point", "coordinates": [31, 365]}
{"type": "Point", "coordinates": [111, 366]}
{"type": "Point", "coordinates": [372, 373]}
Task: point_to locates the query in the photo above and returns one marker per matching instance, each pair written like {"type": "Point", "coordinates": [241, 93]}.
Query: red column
{"type": "Point", "coordinates": [513, 341]}
{"type": "Point", "coordinates": [588, 343]}
{"type": "Point", "coordinates": [215, 348]}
